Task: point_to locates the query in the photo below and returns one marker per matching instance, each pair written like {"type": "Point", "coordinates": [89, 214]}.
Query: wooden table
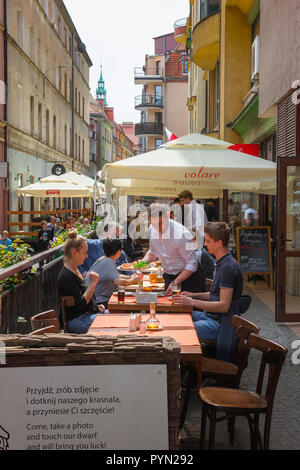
{"type": "Point", "coordinates": [179, 327]}
{"type": "Point", "coordinates": [164, 304]}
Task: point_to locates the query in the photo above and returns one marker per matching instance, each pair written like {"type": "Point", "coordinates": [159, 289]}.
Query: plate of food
{"type": "Point", "coordinates": [136, 266]}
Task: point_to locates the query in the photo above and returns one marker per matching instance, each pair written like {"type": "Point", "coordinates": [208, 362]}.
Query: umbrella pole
{"type": "Point", "coordinates": [225, 205]}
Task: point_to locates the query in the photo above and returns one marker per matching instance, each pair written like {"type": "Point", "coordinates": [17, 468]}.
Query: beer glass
{"type": "Point", "coordinates": [176, 290]}
{"type": "Point", "coordinates": [121, 294]}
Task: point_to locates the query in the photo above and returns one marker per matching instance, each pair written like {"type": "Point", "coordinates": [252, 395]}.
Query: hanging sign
{"type": "Point", "coordinates": [58, 170]}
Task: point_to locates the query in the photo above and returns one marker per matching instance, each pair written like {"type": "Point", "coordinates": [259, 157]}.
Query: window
{"type": "Point", "coordinates": [158, 143]}
{"type": "Point", "coordinates": [83, 107]}
{"type": "Point", "coordinates": [158, 118]}
{"type": "Point", "coordinates": [54, 132]}
{"type": "Point", "coordinates": [79, 102]}
{"type": "Point", "coordinates": [185, 70]}
{"type": "Point", "coordinates": [158, 68]}
{"type": "Point", "coordinates": [20, 106]}
{"type": "Point", "coordinates": [59, 27]}
{"type": "Point", "coordinates": [31, 43]}
{"type": "Point", "coordinates": [79, 147]}
{"type": "Point", "coordinates": [32, 116]}
{"type": "Point", "coordinates": [66, 139]}
{"type": "Point", "coordinates": [20, 28]}
{"type": "Point", "coordinates": [47, 63]}
{"type": "Point", "coordinates": [66, 86]}
{"type": "Point", "coordinates": [40, 121]}
{"type": "Point", "coordinates": [39, 53]}
{"type": "Point", "coordinates": [75, 106]}
{"type": "Point", "coordinates": [217, 93]}
{"type": "Point", "coordinates": [54, 71]}
{"type": "Point", "coordinates": [83, 150]}
{"type": "Point", "coordinates": [71, 150]}
{"type": "Point", "coordinates": [75, 151]}
{"type": "Point", "coordinates": [158, 95]}
{"type": "Point", "coordinates": [47, 127]}
{"type": "Point", "coordinates": [70, 88]}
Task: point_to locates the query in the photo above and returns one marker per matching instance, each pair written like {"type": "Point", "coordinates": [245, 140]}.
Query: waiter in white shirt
{"type": "Point", "coordinates": [172, 243]}
{"type": "Point", "coordinates": [194, 215]}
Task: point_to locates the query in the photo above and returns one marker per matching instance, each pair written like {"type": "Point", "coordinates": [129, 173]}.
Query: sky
{"type": "Point", "coordinates": [117, 35]}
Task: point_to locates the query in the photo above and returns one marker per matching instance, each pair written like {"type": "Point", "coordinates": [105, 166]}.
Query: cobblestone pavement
{"type": "Point", "coordinates": [285, 427]}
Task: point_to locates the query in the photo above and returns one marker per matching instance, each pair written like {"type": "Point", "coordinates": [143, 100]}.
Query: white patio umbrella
{"type": "Point", "coordinates": [195, 162]}
{"type": "Point", "coordinates": [54, 189]}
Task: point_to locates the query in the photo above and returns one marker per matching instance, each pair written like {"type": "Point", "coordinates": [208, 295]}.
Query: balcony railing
{"type": "Point", "coordinates": [148, 72]}
{"type": "Point", "coordinates": [148, 101]}
{"type": "Point", "coordinates": [180, 23]}
{"type": "Point", "coordinates": [149, 128]}
{"type": "Point", "coordinates": [208, 8]}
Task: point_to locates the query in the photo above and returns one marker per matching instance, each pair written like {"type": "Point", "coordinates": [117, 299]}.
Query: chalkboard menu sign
{"type": "Point", "coordinates": [254, 250]}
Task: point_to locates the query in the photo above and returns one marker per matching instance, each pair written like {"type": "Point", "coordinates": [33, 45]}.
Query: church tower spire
{"type": "Point", "coordinates": [101, 91]}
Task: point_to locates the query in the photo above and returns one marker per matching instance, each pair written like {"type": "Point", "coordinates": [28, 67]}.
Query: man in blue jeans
{"type": "Point", "coordinates": [227, 284]}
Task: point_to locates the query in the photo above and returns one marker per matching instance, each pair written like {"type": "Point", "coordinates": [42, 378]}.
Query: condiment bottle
{"type": "Point", "coordinates": [142, 327]}
{"type": "Point", "coordinates": [152, 322]}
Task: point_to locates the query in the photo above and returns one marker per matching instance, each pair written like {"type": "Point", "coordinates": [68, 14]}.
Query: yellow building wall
{"type": "Point", "coordinates": [236, 41]}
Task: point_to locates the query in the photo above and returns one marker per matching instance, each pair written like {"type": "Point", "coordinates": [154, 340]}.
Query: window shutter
{"type": "Point", "coordinates": [286, 128]}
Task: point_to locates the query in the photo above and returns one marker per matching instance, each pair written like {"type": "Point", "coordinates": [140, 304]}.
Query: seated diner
{"type": "Point", "coordinates": [109, 277]}
{"type": "Point", "coordinates": [71, 283]}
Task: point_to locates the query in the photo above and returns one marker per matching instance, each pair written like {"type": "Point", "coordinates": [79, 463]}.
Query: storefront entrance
{"type": "Point", "coordinates": [288, 244]}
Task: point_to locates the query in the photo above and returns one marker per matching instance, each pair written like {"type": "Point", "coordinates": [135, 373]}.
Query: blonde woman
{"type": "Point", "coordinates": [71, 283]}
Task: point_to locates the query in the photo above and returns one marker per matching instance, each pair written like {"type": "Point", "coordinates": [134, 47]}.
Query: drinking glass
{"type": "Point", "coordinates": [121, 294]}
{"type": "Point", "coordinates": [176, 290]}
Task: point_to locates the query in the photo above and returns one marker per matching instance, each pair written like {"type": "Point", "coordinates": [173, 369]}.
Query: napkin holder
{"type": "Point", "coordinates": [145, 297]}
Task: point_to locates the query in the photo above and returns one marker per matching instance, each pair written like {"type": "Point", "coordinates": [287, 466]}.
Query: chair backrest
{"type": "Point", "coordinates": [208, 283]}
{"type": "Point", "coordinates": [273, 355]}
{"type": "Point", "coordinates": [66, 301]}
{"type": "Point", "coordinates": [47, 329]}
{"type": "Point", "coordinates": [243, 330]}
{"type": "Point", "coordinates": [44, 319]}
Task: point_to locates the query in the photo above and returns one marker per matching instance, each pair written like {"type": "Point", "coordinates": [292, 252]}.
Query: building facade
{"type": "Point", "coordinates": [101, 138]}
{"type": "Point", "coordinates": [43, 50]}
{"type": "Point", "coordinates": [164, 79]}
{"type": "Point", "coordinates": [108, 141]}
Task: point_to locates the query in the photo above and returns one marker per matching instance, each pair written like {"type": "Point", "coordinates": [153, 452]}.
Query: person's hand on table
{"type": "Point", "coordinates": [182, 300]}
{"type": "Point", "coordinates": [187, 294]}
{"type": "Point", "coordinates": [101, 308]}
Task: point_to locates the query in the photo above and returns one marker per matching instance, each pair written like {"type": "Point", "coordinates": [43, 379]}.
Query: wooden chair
{"type": "Point", "coordinates": [216, 368]}
{"type": "Point", "coordinates": [208, 283]}
{"type": "Point", "coordinates": [46, 329]}
{"type": "Point", "coordinates": [66, 301]}
{"type": "Point", "coordinates": [44, 319]}
{"type": "Point", "coordinates": [221, 369]}
{"type": "Point", "coordinates": [237, 402]}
